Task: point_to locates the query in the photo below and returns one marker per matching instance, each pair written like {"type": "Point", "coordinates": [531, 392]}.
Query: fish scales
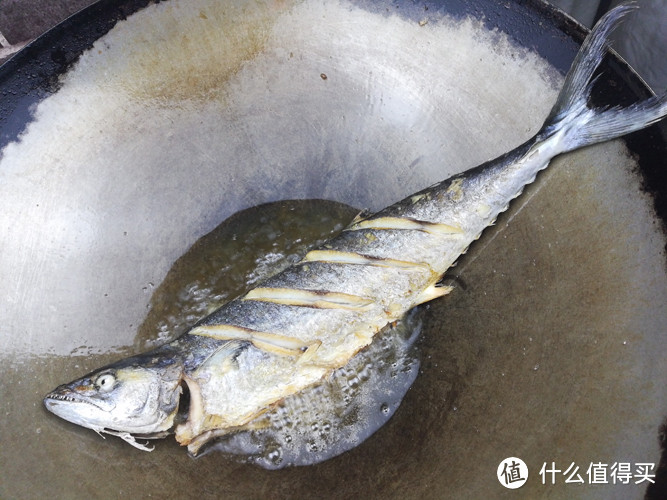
{"type": "Point", "coordinates": [307, 321]}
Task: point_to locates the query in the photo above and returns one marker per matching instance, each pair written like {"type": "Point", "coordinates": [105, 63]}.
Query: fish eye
{"type": "Point", "coordinates": [105, 382]}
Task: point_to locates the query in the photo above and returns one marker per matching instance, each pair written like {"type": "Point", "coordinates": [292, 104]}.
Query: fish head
{"type": "Point", "coordinates": [138, 395]}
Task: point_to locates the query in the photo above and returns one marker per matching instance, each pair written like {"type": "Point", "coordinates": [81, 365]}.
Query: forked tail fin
{"type": "Point", "coordinates": [581, 125]}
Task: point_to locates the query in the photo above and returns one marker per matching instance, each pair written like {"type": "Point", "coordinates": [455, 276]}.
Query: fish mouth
{"type": "Point", "coordinates": [52, 400]}
{"type": "Point", "coordinates": [79, 410]}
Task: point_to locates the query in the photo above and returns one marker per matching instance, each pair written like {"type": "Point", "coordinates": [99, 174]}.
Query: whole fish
{"type": "Point", "coordinates": [299, 326]}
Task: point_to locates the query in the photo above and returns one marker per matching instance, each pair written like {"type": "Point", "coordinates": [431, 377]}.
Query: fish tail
{"type": "Point", "coordinates": [573, 117]}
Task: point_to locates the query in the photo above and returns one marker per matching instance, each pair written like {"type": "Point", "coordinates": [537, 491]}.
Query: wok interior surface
{"type": "Point", "coordinates": [550, 349]}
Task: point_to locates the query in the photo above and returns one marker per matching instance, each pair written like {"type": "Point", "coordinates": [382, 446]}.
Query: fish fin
{"type": "Point", "coordinates": [127, 437]}
{"type": "Point", "coordinates": [229, 350]}
{"type": "Point", "coordinates": [224, 357]}
{"type": "Point", "coordinates": [215, 427]}
{"type": "Point", "coordinates": [573, 118]}
{"type": "Point", "coordinates": [433, 292]}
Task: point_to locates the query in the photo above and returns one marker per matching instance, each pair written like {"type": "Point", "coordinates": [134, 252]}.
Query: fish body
{"type": "Point", "coordinates": [299, 326]}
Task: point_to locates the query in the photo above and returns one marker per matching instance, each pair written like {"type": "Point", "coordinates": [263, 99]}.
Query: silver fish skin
{"type": "Point", "coordinates": [298, 326]}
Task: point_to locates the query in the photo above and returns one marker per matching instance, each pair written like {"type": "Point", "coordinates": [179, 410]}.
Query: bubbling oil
{"type": "Point", "coordinates": [328, 418]}
{"type": "Point", "coordinates": [338, 413]}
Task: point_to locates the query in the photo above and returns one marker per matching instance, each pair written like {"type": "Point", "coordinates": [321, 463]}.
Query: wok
{"type": "Point", "coordinates": [134, 128]}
